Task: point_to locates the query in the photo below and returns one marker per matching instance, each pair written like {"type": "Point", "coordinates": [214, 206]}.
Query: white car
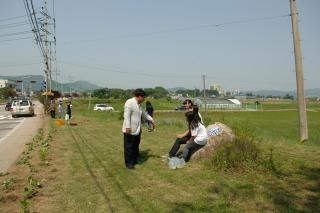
{"type": "Point", "coordinates": [103, 107]}
{"type": "Point", "coordinates": [22, 107]}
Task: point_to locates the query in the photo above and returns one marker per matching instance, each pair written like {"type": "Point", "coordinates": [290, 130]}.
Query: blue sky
{"type": "Point", "coordinates": [148, 43]}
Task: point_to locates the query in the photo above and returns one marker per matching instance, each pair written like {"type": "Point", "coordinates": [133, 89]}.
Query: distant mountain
{"type": "Point", "coordinates": [78, 86]}
{"type": "Point", "coordinates": [313, 92]}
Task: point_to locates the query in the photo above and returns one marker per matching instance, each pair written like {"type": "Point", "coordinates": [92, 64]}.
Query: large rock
{"type": "Point", "coordinates": [218, 133]}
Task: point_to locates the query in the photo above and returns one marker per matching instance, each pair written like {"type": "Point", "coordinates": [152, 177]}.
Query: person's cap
{"type": "Point", "coordinates": [140, 92]}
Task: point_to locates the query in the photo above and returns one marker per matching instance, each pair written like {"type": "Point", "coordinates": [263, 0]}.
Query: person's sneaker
{"type": "Point", "coordinates": [165, 156]}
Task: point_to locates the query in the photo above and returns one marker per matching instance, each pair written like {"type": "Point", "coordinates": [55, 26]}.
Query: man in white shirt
{"type": "Point", "coordinates": [131, 128]}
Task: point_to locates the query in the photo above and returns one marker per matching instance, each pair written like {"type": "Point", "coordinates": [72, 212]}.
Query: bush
{"type": "Point", "coordinates": [238, 154]}
{"type": "Point", "coordinates": [243, 153]}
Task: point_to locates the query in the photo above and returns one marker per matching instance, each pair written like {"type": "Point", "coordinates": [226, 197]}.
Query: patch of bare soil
{"type": "Point", "coordinates": [30, 182]}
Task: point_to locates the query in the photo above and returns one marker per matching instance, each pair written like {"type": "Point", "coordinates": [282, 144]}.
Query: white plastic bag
{"type": "Point", "coordinates": [176, 163]}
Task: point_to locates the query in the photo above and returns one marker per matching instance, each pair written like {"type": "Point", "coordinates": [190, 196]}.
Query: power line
{"type": "Point", "coordinates": [34, 26]}
{"type": "Point", "coordinates": [16, 39]}
{"type": "Point", "coordinates": [16, 33]}
{"type": "Point", "coordinates": [191, 28]}
{"type": "Point", "coordinates": [20, 65]}
{"type": "Point", "coordinates": [14, 23]}
{"type": "Point", "coordinates": [16, 17]}
{"type": "Point", "coordinates": [126, 72]}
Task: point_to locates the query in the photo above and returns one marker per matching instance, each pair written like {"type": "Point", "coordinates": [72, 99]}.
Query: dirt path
{"type": "Point", "coordinates": [12, 145]}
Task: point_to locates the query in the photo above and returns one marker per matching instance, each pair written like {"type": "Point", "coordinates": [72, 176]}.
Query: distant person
{"type": "Point", "coordinates": [149, 109]}
{"type": "Point", "coordinates": [133, 113]}
{"type": "Point", "coordinates": [190, 107]}
{"type": "Point", "coordinates": [53, 108]}
{"type": "Point", "coordinates": [60, 110]}
{"type": "Point", "coordinates": [184, 137]}
{"type": "Point", "coordinates": [68, 112]}
{"type": "Point", "coordinates": [199, 136]}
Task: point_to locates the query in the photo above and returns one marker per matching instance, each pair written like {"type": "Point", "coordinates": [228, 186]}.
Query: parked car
{"type": "Point", "coordinates": [103, 107]}
{"type": "Point", "coordinates": [181, 108]}
{"type": "Point", "coordinates": [8, 106]}
{"type": "Point", "coordinates": [22, 107]}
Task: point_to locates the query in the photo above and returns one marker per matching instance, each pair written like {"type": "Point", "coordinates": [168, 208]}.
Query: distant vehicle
{"type": "Point", "coordinates": [103, 107]}
{"type": "Point", "coordinates": [181, 108]}
{"type": "Point", "coordinates": [8, 106]}
{"type": "Point", "coordinates": [22, 107]}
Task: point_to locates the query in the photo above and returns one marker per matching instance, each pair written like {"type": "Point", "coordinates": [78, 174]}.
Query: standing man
{"type": "Point", "coordinates": [133, 113]}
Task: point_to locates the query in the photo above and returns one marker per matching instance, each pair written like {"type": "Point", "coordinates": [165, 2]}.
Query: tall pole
{"type": "Point", "coordinates": [303, 126]}
{"type": "Point", "coordinates": [22, 88]}
{"type": "Point", "coordinates": [89, 105]}
{"type": "Point", "coordinates": [204, 93]}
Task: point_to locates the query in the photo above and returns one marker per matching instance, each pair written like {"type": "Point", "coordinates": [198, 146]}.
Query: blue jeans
{"type": "Point", "coordinates": [189, 149]}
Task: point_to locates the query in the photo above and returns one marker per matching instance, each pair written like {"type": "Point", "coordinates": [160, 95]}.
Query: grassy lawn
{"type": "Point", "coordinates": [86, 172]}
{"type": "Point", "coordinates": [95, 179]}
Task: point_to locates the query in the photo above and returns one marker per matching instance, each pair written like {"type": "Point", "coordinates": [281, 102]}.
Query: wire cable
{"type": "Point", "coordinates": [19, 65]}
{"type": "Point", "coordinates": [190, 28]}
{"type": "Point", "coordinates": [14, 23]}
{"type": "Point", "coordinates": [14, 34]}
{"type": "Point", "coordinates": [15, 39]}
{"type": "Point", "coordinates": [16, 17]}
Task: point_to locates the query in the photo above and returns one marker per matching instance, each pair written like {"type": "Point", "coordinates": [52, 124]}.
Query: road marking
{"type": "Point", "coordinates": [7, 128]}
{"type": "Point", "coordinates": [5, 117]}
{"type": "Point", "coordinates": [12, 131]}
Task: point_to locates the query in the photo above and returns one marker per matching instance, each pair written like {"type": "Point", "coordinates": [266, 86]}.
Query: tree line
{"type": "Point", "coordinates": [157, 92]}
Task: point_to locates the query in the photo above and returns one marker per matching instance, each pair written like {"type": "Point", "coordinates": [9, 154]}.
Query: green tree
{"type": "Point", "coordinates": [7, 92]}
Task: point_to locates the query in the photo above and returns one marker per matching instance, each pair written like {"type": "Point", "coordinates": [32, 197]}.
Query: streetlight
{"type": "Point", "coordinates": [20, 81]}
{"type": "Point", "coordinates": [22, 91]}
{"type": "Point", "coordinates": [32, 82]}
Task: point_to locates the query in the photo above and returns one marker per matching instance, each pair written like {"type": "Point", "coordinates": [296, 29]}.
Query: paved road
{"type": "Point", "coordinates": [7, 123]}
{"type": "Point", "coordinates": [15, 133]}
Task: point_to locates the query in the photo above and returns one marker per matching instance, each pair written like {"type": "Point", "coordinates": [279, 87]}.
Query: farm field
{"type": "Point", "coordinates": [84, 171]}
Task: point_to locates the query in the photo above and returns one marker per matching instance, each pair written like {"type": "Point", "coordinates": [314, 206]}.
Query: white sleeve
{"type": "Point", "coordinates": [127, 115]}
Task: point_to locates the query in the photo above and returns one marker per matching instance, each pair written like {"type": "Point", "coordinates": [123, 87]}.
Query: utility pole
{"type": "Point", "coordinates": [89, 105]}
{"type": "Point", "coordinates": [204, 93]}
{"type": "Point", "coordinates": [303, 126]}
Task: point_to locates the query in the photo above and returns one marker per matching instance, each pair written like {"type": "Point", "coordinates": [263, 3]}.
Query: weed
{"type": "Point", "coordinates": [7, 183]}
{"type": "Point", "coordinates": [42, 153]}
{"type": "Point", "coordinates": [24, 204]}
{"type": "Point", "coordinates": [30, 147]}
{"type": "Point", "coordinates": [23, 160]}
{"type": "Point", "coordinates": [33, 182]}
{"type": "Point", "coordinates": [3, 173]}
{"type": "Point", "coordinates": [29, 192]}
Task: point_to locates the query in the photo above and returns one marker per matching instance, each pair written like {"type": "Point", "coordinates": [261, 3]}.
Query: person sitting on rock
{"type": "Point", "coordinates": [199, 136]}
{"type": "Point", "coordinates": [184, 137]}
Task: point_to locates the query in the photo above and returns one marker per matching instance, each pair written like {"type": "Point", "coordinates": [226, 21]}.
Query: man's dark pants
{"type": "Point", "coordinates": [131, 149]}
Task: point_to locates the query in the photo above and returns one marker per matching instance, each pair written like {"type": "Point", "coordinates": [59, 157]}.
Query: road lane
{"type": "Point", "coordinates": [15, 133]}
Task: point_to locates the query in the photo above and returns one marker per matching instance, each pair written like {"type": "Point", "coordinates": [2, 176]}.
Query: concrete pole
{"type": "Point", "coordinates": [303, 126]}
{"type": "Point", "coordinates": [204, 93]}
{"type": "Point", "coordinates": [22, 92]}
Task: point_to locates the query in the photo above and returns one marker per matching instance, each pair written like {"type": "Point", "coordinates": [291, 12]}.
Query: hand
{"type": "Point", "coordinates": [128, 130]}
{"type": "Point", "coordinates": [153, 125]}
{"type": "Point", "coordinates": [179, 135]}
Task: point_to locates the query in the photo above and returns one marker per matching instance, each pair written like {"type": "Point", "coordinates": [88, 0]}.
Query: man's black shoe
{"type": "Point", "coordinates": [130, 166]}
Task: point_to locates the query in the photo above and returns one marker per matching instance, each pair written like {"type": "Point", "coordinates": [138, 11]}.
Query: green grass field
{"type": "Point", "coordinates": [94, 179]}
